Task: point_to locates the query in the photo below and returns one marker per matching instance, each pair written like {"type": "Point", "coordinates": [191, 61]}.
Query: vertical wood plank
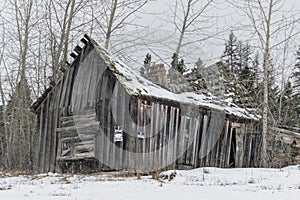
{"type": "Point", "coordinates": [224, 145]}
{"type": "Point", "coordinates": [120, 118]}
{"type": "Point", "coordinates": [191, 141]}
{"type": "Point", "coordinates": [203, 146]}
{"type": "Point", "coordinates": [195, 143]}
{"type": "Point", "coordinates": [181, 140]}
{"type": "Point", "coordinates": [229, 147]}
{"type": "Point", "coordinates": [40, 140]}
{"type": "Point", "coordinates": [239, 145]}
{"type": "Point", "coordinates": [176, 127]}
{"type": "Point", "coordinates": [57, 125]}
{"type": "Point", "coordinates": [165, 138]}
{"type": "Point", "coordinates": [45, 132]}
{"type": "Point", "coordinates": [170, 141]}
{"type": "Point", "coordinates": [149, 142]}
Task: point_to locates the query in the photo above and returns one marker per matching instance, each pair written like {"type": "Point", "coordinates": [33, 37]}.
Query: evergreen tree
{"type": "Point", "coordinates": [257, 88]}
{"type": "Point", "coordinates": [181, 66]}
{"type": "Point", "coordinates": [147, 60]}
{"type": "Point", "coordinates": [240, 77]}
{"type": "Point", "coordinates": [296, 87]}
{"type": "Point", "coordinates": [174, 60]}
{"type": "Point", "coordinates": [247, 73]}
{"type": "Point", "coordinates": [288, 115]}
{"type": "Point", "coordinates": [245, 56]}
{"type": "Point", "coordinates": [178, 65]}
{"type": "Point", "coordinates": [195, 77]}
{"type": "Point", "coordinates": [274, 95]}
{"type": "Point", "coordinates": [147, 63]}
{"type": "Point", "coordinates": [256, 66]}
{"type": "Point", "coordinates": [231, 54]}
{"type": "Point", "coordinates": [247, 78]}
{"type": "Point", "coordinates": [199, 64]}
{"type": "Point", "coordinates": [296, 73]}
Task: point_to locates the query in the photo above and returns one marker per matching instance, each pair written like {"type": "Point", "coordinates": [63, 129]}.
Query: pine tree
{"type": "Point", "coordinates": [248, 76]}
{"type": "Point", "coordinates": [296, 87]}
{"type": "Point", "coordinates": [257, 87]}
{"type": "Point", "coordinates": [288, 115]}
{"type": "Point", "coordinates": [247, 73]}
{"type": "Point", "coordinates": [245, 56]}
{"type": "Point", "coordinates": [273, 94]}
{"type": "Point", "coordinates": [147, 60]}
{"type": "Point", "coordinates": [174, 60]}
{"type": "Point", "coordinates": [147, 63]}
{"type": "Point", "coordinates": [296, 73]}
{"type": "Point", "coordinates": [181, 67]}
{"type": "Point", "coordinates": [199, 64]}
{"type": "Point", "coordinates": [240, 76]}
{"type": "Point", "coordinates": [178, 65]}
{"type": "Point", "coordinates": [256, 66]}
{"type": "Point", "coordinates": [195, 77]}
{"type": "Point", "coordinates": [231, 54]}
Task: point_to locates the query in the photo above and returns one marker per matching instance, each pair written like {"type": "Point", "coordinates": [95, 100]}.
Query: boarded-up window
{"type": "Point", "coordinates": [66, 148]}
{"type": "Point", "coordinates": [78, 146]}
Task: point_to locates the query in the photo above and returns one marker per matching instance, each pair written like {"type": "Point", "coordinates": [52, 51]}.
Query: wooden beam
{"type": "Point", "coordinates": [84, 41]}
{"type": "Point", "coordinates": [78, 49]}
{"type": "Point", "coordinates": [77, 126]}
{"type": "Point", "coordinates": [73, 55]}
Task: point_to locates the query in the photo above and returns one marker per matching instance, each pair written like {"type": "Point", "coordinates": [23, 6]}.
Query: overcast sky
{"type": "Point", "coordinates": [158, 20]}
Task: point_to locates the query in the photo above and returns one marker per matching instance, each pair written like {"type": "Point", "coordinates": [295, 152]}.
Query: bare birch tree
{"type": "Point", "coordinates": [59, 20]}
{"type": "Point", "coordinates": [266, 27]}
{"type": "Point", "coordinates": [187, 15]}
{"type": "Point", "coordinates": [267, 20]}
{"type": "Point", "coordinates": [19, 119]}
{"type": "Point", "coordinates": [117, 14]}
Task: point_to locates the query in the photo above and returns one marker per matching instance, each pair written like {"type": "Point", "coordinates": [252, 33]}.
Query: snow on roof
{"type": "Point", "coordinates": [135, 84]}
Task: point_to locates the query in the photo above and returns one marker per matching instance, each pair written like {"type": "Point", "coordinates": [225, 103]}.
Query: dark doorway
{"type": "Point", "coordinates": [232, 149]}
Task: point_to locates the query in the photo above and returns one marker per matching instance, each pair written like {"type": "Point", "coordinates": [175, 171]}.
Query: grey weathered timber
{"type": "Point", "coordinates": [203, 146]}
{"type": "Point", "coordinates": [224, 145]}
{"type": "Point", "coordinates": [229, 150]}
{"type": "Point", "coordinates": [77, 119]}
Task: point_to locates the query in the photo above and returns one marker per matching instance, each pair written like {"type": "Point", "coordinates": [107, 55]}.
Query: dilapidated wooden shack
{"type": "Point", "coordinates": [284, 146]}
{"type": "Point", "coordinates": [102, 115]}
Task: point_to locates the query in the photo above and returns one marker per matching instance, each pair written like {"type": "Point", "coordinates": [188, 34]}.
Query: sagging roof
{"type": "Point", "coordinates": [137, 85]}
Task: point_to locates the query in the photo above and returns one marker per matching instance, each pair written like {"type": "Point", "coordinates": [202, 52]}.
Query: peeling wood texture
{"type": "Point", "coordinates": [77, 119]}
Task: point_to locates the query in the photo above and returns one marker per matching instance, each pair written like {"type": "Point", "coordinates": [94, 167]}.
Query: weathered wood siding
{"type": "Point", "coordinates": [284, 147]}
{"type": "Point", "coordinates": [77, 118]}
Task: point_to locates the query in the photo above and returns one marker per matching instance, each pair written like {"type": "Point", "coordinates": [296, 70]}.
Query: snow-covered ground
{"type": "Point", "coordinates": [203, 183]}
